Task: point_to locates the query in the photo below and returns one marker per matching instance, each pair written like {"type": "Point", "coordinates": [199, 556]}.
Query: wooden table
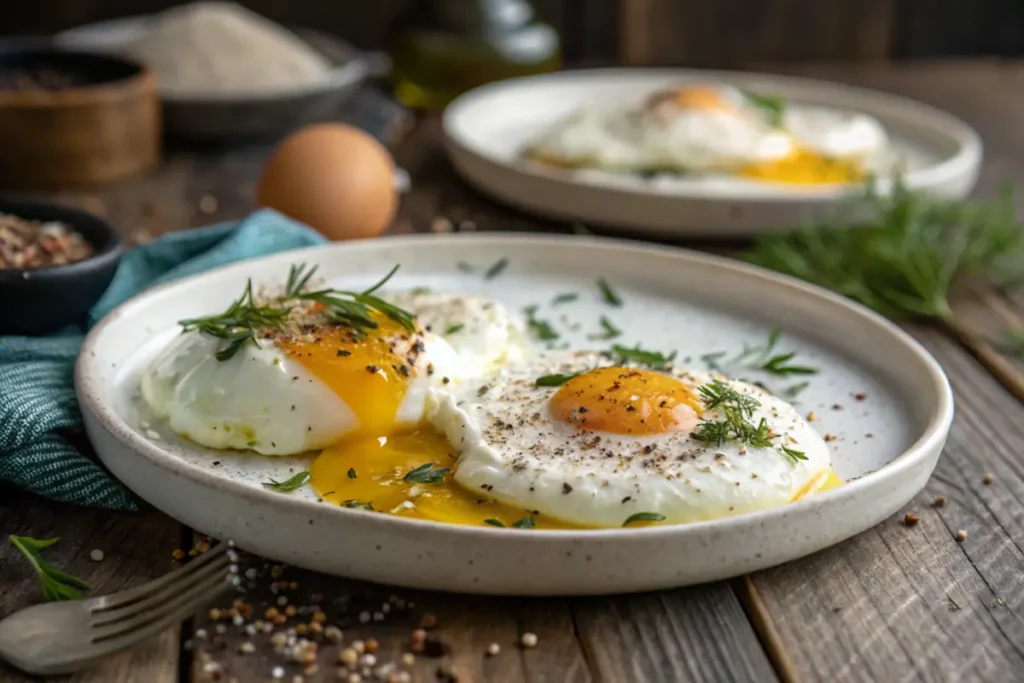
{"type": "Point", "coordinates": [893, 604]}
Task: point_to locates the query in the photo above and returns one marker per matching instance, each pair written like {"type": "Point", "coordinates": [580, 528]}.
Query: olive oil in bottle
{"type": "Point", "coordinates": [449, 46]}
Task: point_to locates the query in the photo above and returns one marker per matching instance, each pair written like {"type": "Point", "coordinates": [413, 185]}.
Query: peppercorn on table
{"type": "Point", "coordinates": [932, 594]}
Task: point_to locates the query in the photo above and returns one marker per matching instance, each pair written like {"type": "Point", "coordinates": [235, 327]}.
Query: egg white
{"type": "Point", "coordinates": [511, 448]}
{"type": "Point", "coordinates": [263, 400]}
{"type": "Point", "coordinates": [837, 134]}
{"type": "Point", "coordinates": [481, 331]}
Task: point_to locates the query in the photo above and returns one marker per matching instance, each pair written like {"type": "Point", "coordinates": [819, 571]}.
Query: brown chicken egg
{"type": "Point", "coordinates": [334, 178]}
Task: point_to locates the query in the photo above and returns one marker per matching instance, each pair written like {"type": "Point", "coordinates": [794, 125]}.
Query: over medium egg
{"type": "Point", "coordinates": [335, 178]}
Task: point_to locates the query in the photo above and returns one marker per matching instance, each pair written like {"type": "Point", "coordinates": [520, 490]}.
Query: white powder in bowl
{"type": "Point", "coordinates": [220, 47]}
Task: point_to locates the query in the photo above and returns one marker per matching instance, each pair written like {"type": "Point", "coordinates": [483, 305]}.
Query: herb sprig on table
{"type": "Point", "coordinates": [901, 254]}
{"type": "Point", "coordinates": [246, 317]}
{"type": "Point", "coordinates": [57, 585]}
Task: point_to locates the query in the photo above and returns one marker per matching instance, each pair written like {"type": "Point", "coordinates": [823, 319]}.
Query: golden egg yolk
{"type": "Point", "coordinates": [387, 474]}
{"type": "Point", "coordinates": [805, 167]}
{"type": "Point", "coordinates": [700, 98]}
{"type": "Point", "coordinates": [369, 372]}
{"type": "Point", "coordinates": [625, 401]}
{"type": "Point", "coordinates": [822, 482]}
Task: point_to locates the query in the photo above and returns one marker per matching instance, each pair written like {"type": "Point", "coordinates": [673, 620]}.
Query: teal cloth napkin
{"type": "Point", "coordinates": [38, 407]}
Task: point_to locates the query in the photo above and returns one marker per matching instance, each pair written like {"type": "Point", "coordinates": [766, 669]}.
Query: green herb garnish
{"type": "Point", "coordinates": [288, 485]}
{"type": "Point", "coordinates": [541, 329]}
{"type": "Point", "coordinates": [244, 319]}
{"type": "Point", "coordinates": [554, 380]}
{"type": "Point", "coordinates": [353, 503]}
{"type": "Point", "coordinates": [901, 254]}
{"type": "Point", "coordinates": [568, 297]}
{"type": "Point", "coordinates": [796, 389]}
{"type": "Point", "coordinates": [465, 267]}
{"type": "Point", "coordinates": [773, 109]}
{"type": "Point", "coordinates": [608, 294]}
{"type": "Point", "coordinates": [644, 517]}
{"type": "Point", "coordinates": [420, 290]}
{"type": "Point", "coordinates": [494, 522]}
{"type": "Point", "coordinates": [524, 523]}
{"type": "Point", "coordinates": [736, 409]}
{"type": "Point", "coordinates": [351, 473]}
{"type": "Point", "coordinates": [424, 474]}
{"type": "Point", "coordinates": [57, 585]}
{"type": "Point", "coordinates": [453, 329]}
{"type": "Point", "coordinates": [793, 454]}
{"type": "Point", "coordinates": [608, 330]}
{"type": "Point", "coordinates": [652, 359]}
{"type": "Point", "coordinates": [496, 269]}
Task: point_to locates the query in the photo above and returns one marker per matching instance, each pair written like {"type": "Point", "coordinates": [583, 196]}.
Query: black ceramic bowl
{"type": "Point", "coordinates": [41, 300]}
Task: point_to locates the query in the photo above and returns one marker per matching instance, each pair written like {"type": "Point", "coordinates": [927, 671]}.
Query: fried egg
{"type": "Point", "coordinates": [297, 392]}
{"type": "Point", "coordinates": [481, 331]}
{"type": "Point", "coordinates": [614, 441]}
{"type": "Point", "coordinates": [700, 128]}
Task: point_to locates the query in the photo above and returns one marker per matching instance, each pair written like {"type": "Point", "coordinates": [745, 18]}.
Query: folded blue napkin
{"type": "Point", "coordinates": [38, 407]}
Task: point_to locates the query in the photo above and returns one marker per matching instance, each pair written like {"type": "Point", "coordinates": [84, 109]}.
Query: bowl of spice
{"type": "Point", "coordinates": [230, 75]}
{"type": "Point", "coordinates": [55, 263]}
{"type": "Point", "coordinates": [70, 119]}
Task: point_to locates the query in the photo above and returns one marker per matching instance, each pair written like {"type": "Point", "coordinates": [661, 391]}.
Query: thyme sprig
{"type": "Point", "coordinates": [246, 318]}
{"type": "Point", "coordinates": [57, 585]}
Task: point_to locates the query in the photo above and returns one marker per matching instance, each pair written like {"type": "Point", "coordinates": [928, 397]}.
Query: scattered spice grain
{"type": "Point", "coordinates": [910, 519]}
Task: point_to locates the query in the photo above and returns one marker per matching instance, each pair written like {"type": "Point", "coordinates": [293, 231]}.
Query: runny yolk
{"type": "Point", "coordinates": [626, 401]}
{"type": "Point", "coordinates": [822, 482]}
{"type": "Point", "coordinates": [374, 474]}
{"type": "Point", "coordinates": [369, 373]}
{"type": "Point", "coordinates": [805, 167]}
{"type": "Point", "coordinates": [698, 98]}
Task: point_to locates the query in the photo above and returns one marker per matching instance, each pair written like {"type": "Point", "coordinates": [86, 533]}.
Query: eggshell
{"type": "Point", "coordinates": [335, 178]}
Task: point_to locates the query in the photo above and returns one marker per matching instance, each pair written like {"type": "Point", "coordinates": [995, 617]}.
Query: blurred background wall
{"type": "Point", "coordinates": [723, 33]}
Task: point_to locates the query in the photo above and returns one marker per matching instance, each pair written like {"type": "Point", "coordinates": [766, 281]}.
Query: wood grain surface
{"type": "Point", "coordinates": [136, 547]}
{"type": "Point", "coordinates": [896, 603]}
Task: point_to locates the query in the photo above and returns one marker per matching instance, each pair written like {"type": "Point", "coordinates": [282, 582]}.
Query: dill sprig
{"type": "Point", "coordinates": [541, 329]}
{"type": "Point", "coordinates": [652, 359]}
{"type": "Point", "coordinates": [901, 254]}
{"type": "Point", "coordinates": [245, 318]}
{"type": "Point", "coordinates": [57, 585]}
{"type": "Point", "coordinates": [290, 484]}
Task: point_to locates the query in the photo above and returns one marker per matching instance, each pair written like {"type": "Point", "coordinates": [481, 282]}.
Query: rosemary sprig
{"type": "Point", "coordinates": [608, 330]}
{"type": "Point", "coordinates": [245, 318]}
{"type": "Point", "coordinates": [901, 254]}
{"type": "Point", "coordinates": [773, 109]}
{"type": "Point", "coordinates": [644, 517]}
{"type": "Point", "coordinates": [652, 359]}
{"type": "Point", "coordinates": [424, 474]}
{"type": "Point", "coordinates": [288, 485]}
{"type": "Point", "coordinates": [524, 523]}
{"type": "Point", "coordinates": [496, 269]}
{"type": "Point", "coordinates": [541, 329]}
{"type": "Point", "coordinates": [554, 380]}
{"type": "Point", "coordinates": [57, 585]}
{"type": "Point", "coordinates": [608, 295]}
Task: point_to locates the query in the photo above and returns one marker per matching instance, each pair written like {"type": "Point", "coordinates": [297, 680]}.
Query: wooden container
{"type": "Point", "coordinates": [72, 119]}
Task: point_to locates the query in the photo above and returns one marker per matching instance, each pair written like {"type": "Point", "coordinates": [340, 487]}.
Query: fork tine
{"type": "Point", "coordinates": [160, 616]}
{"type": "Point", "coordinates": [124, 598]}
{"type": "Point", "coordinates": [172, 591]}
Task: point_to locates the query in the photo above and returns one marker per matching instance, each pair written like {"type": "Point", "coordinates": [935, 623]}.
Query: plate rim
{"type": "Point", "coordinates": [968, 156]}
{"type": "Point", "coordinates": [933, 435]}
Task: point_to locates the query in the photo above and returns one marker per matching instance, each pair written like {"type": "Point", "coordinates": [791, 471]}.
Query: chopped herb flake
{"type": "Point", "coordinates": [608, 294]}
{"type": "Point", "coordinates": [424, 474]}
{"type": "Point", "coordinates": [496, 269]}
{"type": "Point", "coordinates": [288, 485]}
{"type": "Point", "coordinates": [644, 517]}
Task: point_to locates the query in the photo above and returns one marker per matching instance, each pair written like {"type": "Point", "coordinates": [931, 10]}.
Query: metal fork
{"type": "Point", "coordinates": [62, 637]}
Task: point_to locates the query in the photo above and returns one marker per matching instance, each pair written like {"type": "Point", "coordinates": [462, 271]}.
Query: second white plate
{"type": "Point", "coordinates": [488, 128]}
{"type": "Point", "coordinates": [895, 412]}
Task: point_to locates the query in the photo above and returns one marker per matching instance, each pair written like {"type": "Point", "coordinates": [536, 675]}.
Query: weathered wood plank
{"type": "Point", "coordinates": [457, 647]}
{"type": "Point", "coordinates": [137, 548]}
{"type": "Point", "coordinates": [692, 634]}
{"type": "Point", "coordinates": [913, 603]}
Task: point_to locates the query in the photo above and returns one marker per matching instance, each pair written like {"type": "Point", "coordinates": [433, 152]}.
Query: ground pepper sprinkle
{"type": "Point", "coordinates": [35, 244]}
{"type": "Point", "coordinates": [910, 519]}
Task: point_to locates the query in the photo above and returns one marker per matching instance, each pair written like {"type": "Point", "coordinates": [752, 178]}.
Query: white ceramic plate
{"type": "Point", "coordinates": [488, 128]}
{"type": "Point", "coordinates": [887, 444]}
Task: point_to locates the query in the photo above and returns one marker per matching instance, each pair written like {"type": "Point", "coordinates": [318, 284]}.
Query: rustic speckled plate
{"type": "Point", "coordinates": [883, 397]}
{"type": "Point", "coordinates": [488, 127]}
